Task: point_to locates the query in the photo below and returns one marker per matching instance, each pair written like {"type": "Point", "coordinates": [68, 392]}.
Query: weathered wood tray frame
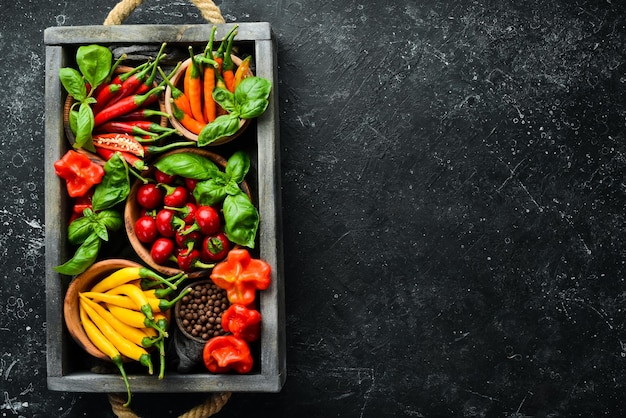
{"type": "Point", "coordinates": [64, 371]}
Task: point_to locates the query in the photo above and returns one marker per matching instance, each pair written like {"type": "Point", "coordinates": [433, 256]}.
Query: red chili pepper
{"type": "Point", "coordinates": [241, 276]}
{"type": "Point", "coordinates": [149, 82]}
{"type": "Point", "coordinates": [242, 322]}
{"type": "Point", "coordinates": [135, 127]}
{"type": "Point", "coordinates": [144, 113]}
{"type": "Point", "coordinates": [79, 172]}
{"type": "Point", "coordinates": [119, 142]}
{"type": "Point", "coordinates": [127, 104]}
{"type": "Point", "coordinates": [107, 95]}
{"type": "Point", "coordinates": [227, 353]}
{"type": "Point", "coordinates": [131, 159]}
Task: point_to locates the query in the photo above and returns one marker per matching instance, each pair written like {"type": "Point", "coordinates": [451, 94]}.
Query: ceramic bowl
{"type": "Point", "coordinates": [177, 80]}
{"type": "Point", "coordinates": [133, 211]}
{"type": "Point", "coordinates": [205, 315]}
{"type": "Point", "coordinates": [82, 283]}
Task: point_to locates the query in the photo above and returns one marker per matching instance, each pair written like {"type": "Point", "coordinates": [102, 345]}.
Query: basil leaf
{"type": "Point", "coordinates": [115, 185]}
{"type": "Point", "coordinates": [224, 98]}
{"type": "Point", "coordinates": [225, 125]}
{"type": "Point", "coordinates": [84, 257]}
{"type": "Point", "coordinates": [252, 88]}
{"type": "Point", "coordinates": [111, 219]}
{"type": "Point", "coordinates": [210, 192]}
{"type": "Point", "coordinates": [232, 188]}
{"type": "Point", "coordinates": [101, 231]}
{"type": "Point", "coordinates": [73, 83]}
{"type": "Point", "coordinates": [188, 165]}
{"type": "Point", "coordinates": [79, 230]}
{"type": "Point", "coordinates": [241, 219]}
{"type": "Point", "coordinates": [74, 121]}
{"type": "Point", "coordinates": [94, 62]}
{"type": "Point", "coordinates": [252, 108]}
{"type": "Point", "coordinates": [84, 127]}
{"type": "Point", "coordinates": [238, 166]}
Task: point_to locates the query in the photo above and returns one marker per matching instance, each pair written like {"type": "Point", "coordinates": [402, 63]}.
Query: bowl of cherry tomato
{"type": "Point", "coordinates": [167, 227]}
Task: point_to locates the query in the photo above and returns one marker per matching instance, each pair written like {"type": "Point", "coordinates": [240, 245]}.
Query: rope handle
{"type": "Point", "coordinates": [211, 406]}
{"type": "Point", "coordinates": [210, 12]}
{"type": "Point", "coordinates": [214, 403]}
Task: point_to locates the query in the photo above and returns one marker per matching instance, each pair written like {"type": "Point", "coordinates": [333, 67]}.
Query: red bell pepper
{"type": "Point", "coordinates": [80, 204]}
{"type": "Point", "coordinates": [242, 322]}
{"type": "Point", "coordinates": [241, 276]}
{"type": "Point", "coordinates": [79, 172]}
{"type": "Point", "coordinates": [227, 353]}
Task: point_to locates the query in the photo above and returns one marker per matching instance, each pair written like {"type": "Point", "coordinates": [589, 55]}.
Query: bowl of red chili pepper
{"type": "Point", "coordinates": [124, 108]}
{"type": "Point", "coordinates": [172, 219]}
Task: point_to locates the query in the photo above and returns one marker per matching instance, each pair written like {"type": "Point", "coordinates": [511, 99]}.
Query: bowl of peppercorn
{"type": "Point", "coordinates": [199, 313]}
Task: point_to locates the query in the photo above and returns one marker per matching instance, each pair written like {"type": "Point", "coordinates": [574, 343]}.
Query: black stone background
{"type": "Point", "coordinates": [453, 189]}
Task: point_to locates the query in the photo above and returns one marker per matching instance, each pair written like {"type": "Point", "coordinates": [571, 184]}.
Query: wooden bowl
{"type": "Point", "coordinates": [82, 283]}
{"type": "Point", "coordinates": [133, 211]}
{"type": "Point", "coordinates": [177, 80]}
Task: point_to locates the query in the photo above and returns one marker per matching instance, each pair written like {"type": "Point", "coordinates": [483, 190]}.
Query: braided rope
{"type": "Point", "coordinates": [208, 408]}
{"type": "Point", "coordinates": [210, 12]}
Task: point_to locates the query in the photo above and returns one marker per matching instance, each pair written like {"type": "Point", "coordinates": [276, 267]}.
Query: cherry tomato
{"type": "Point", "coordinates": [175, 197]}
{"type": "Point", "coordinates": [163, 178]}
{"type": "Point", "coordinates": [146, 229]}
{"type": "Point", "coordinates": [208, 220]}
{"type": "Point", "coordinates": [149, 196]}
{"type": "Point", "coordinates": [215, 247]}
{"type": "Point", "coordinates": [167, 223]}
{"type": "Point", "coordinates": [162, 250]}
{"type": "Point", "coordinates": [191, 184]}
{"type": "Point", "coordinates": [187, 241]}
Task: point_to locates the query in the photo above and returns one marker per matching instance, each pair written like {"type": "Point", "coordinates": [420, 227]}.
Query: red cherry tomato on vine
{"type": "Point", "coordinates": [149, 196]}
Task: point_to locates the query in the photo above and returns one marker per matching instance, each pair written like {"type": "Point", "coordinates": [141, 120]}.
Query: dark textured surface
{"type": "Point", "coordinates": [453, 189]}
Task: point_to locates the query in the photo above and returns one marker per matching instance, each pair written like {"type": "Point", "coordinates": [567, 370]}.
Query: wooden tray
{"type": "Point", "coordinates": [69, 368]}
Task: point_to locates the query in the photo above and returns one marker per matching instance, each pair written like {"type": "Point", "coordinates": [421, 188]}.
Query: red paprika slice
{"type": "Point", "coordinates": [242, 322]}
{"type": "Point", "coordinates": [227, 353]}
{"type": "Point", "coordinates": [241, 276]}
{"type": "Point", "coordinates": [79, 172]}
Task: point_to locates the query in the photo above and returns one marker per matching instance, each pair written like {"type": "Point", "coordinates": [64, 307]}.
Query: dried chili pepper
{"type": "Point", "coordinates": [79, 172]}
{"type": "Point", "coordinates": [227, 353]}
{"type": "Point", "coordinates": [242, 322]}
{"type": "Point", "coordinates": [241, 276]}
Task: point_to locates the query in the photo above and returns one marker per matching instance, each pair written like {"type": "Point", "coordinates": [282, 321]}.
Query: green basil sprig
{"type": "Point", "coordinates": [241, 217]}
{"type": "Point", "coordinates": [95, 64]}
{"type": "Point", "coordinates": [88, 232]}
{"type": "Point", "coordinates": [249, 101]}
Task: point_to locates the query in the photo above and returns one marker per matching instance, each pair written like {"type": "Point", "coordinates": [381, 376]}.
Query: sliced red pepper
{"type": "Point", "coordinates": [227, 353]}
{"type": "Point", "coordinates": [79, 172]}
{"type": "Point", "coordinates": [242, 322]}
{"type": "Point", "coordinates": [241, 276]}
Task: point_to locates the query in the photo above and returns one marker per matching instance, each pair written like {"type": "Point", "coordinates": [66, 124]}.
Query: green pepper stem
{"type": "Point", "coordinates": [120, 365]}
